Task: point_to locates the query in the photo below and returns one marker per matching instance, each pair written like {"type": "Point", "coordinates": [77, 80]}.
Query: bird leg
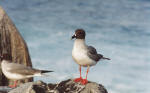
{"type": "Point", "coordinates": [14, 85]}
{"type": "Point", "coordinates": [80, 78]}
{"type": "Point", "coordinates": [84, 81]}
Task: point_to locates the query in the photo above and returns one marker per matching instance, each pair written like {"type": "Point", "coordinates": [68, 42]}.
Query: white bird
{"type": "Point", "coordinates": [16, 71]}
{"type": "Point", "coordinates": [83, 54]}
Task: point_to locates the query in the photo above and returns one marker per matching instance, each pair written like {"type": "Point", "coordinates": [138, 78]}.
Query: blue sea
{"type": "Point", "coordinates": [118, 29]}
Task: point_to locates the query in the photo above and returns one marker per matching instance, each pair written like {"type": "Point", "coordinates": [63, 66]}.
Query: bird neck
{"type": "Point", "coordinates": [5, 61]}
{"type": "Point", "coordinates": [79, 43]}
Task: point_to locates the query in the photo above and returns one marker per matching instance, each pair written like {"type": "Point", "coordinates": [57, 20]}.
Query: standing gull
{"type": "Point", "coordinates": [83, 54]}
{"type": "Point", "coordinates": [16, 71]}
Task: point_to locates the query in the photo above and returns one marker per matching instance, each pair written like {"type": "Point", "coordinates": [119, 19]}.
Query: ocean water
{"type": "Point", "coordinates": [118, 29]}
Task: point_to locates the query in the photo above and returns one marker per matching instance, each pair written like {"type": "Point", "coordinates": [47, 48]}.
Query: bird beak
{"type": "Point", "coordinates": [74, 36]}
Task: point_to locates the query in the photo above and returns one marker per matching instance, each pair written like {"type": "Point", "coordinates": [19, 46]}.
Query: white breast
{"type": "Point", "coordinates": [79, 53]}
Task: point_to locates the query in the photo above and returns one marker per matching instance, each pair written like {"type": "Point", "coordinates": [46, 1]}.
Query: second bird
{"type": "Point", "coordinates": [16, 71]}
{"type": "Point", "coordinates": [84, 55]}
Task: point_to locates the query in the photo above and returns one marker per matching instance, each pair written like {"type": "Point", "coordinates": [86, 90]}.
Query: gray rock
{"type": "Point", "coordinates": [67, 86]}
{"type": "Point", "coordinates": [4, 89]}
{"type": "Point", "coordinates": [30, 87]}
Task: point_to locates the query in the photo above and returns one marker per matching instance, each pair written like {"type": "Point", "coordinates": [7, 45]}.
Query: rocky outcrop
{"type": "Point", "coordinates": [12, 43]}
{"type": "Point", "coordinates": [67, 86]}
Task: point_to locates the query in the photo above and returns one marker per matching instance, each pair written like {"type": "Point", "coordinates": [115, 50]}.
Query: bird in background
{"type": "Point", "coordinates": [83, 54]}
{"type": "Point", "coordinates": [14, 71]}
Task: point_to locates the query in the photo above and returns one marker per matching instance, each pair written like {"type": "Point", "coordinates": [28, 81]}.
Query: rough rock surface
{"type": "Point", "coordinates": [67, 86]}
{"type": "Point", "coordinates": [4, 89]}
{"type": "Point", "coordinates": [12, 43]}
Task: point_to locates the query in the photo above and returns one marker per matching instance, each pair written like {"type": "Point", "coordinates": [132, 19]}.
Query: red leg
{"type": "Point", "coordinates": [14, 85]}
{"type": "Point", "coordinates": [84, 81]}
{"type": "Point", "coordinates": [80, 78]}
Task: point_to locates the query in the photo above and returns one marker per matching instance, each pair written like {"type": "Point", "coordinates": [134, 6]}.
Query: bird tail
{"type": "Point", "coordinates": [46, 71]}
{"type": "Point", "coordinates": [105, 58]}
{"type": "Point", "coordinates": [41, 73]}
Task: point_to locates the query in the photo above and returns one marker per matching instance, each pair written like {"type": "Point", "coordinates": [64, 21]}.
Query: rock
{"type": "Point", "coordinates": [12, 43]}
{"type": "Point", "coordinates": [67, 86]}
{"type": "Point", "coordinates": [4, 89]}
{"type": "Point", "coordinates": [31, 87]}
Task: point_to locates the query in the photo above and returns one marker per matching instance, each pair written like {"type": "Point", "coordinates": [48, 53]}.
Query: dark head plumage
{"type": "Point", "coordinates": [79, 34]}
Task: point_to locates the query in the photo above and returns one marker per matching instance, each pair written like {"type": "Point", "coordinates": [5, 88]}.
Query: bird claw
{"type": "Point", "coordinates": [78, 79]}
{"type": "Point", "coordinates": [84, 81]}
{"type": "Point", "coordinates": [12, 86]}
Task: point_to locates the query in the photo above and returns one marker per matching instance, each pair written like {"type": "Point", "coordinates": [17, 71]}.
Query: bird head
{"type": "Point", "coordinates": [79, 34]}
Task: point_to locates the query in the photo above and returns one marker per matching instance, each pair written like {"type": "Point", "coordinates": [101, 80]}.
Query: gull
{"type": "Point", "coordinates": [15, 71]}
{"type": "Point", "coordinates": [83, 54]}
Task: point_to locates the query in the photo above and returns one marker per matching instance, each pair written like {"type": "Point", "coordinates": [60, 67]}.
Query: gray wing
{"type": "Point", "coordinates": [21, 69]}
{"type": "Point", "coordinates": [92, 53]}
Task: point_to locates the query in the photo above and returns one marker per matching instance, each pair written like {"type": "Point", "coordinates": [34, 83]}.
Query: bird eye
{"type": "Point", "coordinates": [80, 33]}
